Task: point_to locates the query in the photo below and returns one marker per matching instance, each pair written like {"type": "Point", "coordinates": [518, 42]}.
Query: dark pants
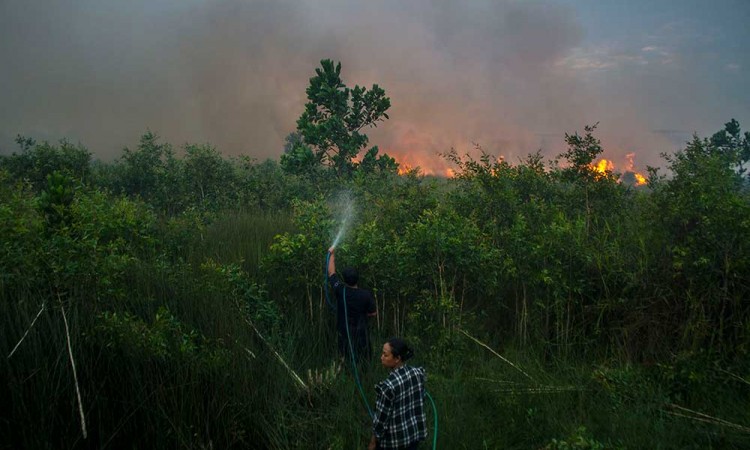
{"type": "Point", "coordinates": [360, 344]}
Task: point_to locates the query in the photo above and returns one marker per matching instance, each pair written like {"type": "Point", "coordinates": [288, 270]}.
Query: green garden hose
{"type": "Point", "coordinates": [354, 359]}
{"type": "Point", "coordinates": [434, 414]}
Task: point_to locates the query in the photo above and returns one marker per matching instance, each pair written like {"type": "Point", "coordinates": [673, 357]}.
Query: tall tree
{"type": "Point", "coordinates": [332, 122]}
{"type": "Point", "coordinates": [208, 177]}
{"type": "Point", "coordinates": [703, 211]}
{"type": "Point", "coordinates": [150, 171]}
{"type": "Point", "coordinates": [731, 142]}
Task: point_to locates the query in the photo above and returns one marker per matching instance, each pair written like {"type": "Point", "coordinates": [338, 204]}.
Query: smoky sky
{"type": "Point", "coordinates": [509, 76]}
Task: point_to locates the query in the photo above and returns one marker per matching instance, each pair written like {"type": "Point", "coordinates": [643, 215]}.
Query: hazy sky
{"type": "Point", "coordinates": [511, 76]}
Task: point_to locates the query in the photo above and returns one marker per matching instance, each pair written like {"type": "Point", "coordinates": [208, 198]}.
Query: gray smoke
{"type": "Point", "coordinates": [233, 73]}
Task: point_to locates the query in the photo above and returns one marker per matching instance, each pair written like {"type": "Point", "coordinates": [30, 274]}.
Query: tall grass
{"type": "Point", "coordinates": [231, 391]}
{"type": "Point", "coordinates": [242, 236]}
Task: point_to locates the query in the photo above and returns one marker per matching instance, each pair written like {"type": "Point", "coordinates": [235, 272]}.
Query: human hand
{"type": "Point", "coordinates": [331, 250]}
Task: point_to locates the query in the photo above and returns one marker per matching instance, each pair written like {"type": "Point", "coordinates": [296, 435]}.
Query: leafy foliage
{"type": "Point", "coordinates": [162, 339]}
{"type": "Point", "coordinates": [331, 126]}
{"type": "Point", "coordinates": [704, 211]}
{"type": "Point", "coordinates": [189, 330]}
{"type": "Point", "coordinates": [21, 227]}
{"type": "Point", "coordinates": [37, 162]}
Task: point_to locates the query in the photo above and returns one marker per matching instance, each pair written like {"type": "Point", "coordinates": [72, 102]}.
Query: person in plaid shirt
{"type": "Point", "coordinates": [399, 421]}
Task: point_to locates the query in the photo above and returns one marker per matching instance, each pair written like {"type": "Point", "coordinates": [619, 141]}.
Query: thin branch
{"type": "Point", "coordinates": [27, 331]}
{"type": "Point", "coordinates": [735, 376]}
{"type": "Point", "coordinates": [499, 381]}
{"type": "Point", "coordinates": [75, 375]}
{"type": "Point", "coordinates": [713, 422]}
{"type": "Point", "coordinates": [292, 373]}
{"type": "Point", "coordinates": [494, 353]}
{"type": "Point", "coordinates": [696, 415]}
{"type": "Point", "coordinates": [540, 390]}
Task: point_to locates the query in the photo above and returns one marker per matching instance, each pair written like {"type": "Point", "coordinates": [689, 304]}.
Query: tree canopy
{"type": "Point", "coordinates": [331, 126]}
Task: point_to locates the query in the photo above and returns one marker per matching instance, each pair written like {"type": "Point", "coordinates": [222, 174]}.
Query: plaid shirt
{"type": "Point", "coordinates": [399, 416]}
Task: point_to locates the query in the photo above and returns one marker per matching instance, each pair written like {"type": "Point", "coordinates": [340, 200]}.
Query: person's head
{"type": "Point", "coordinates": [350, 275]}
{"type": "Point", "coordinates": [395, 353]}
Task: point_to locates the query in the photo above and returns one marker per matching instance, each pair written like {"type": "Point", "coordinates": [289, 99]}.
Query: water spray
{"type": "Point", "coordinates": [345, 207]}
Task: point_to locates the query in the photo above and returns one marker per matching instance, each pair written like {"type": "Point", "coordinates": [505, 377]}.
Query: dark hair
{"type": "Point", "coordinates": [400, 349]}
{"type": "Point", "coordinates": [350, 275]}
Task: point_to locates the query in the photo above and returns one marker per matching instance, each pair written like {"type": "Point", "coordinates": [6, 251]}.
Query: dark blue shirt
{"type": "Point", "coordinates": [359, 303]}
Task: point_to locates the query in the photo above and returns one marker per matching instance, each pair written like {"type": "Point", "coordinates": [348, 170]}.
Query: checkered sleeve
{"type": "Point", "coordinates": [400, 419]}
{"type": "Point", "coordinates": [383, 408]}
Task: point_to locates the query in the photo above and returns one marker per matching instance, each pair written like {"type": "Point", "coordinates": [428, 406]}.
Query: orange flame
{"type": "Point", "coordinates": [604, 165]}
{"type": "Point", "coordinates": [427, 166]}
{"type": "Point", "coordinates": [403, 168]}
{"type": "Point", "coordinates": [436, 166]}
{"type": "Point", "coordinates": [640, 180]}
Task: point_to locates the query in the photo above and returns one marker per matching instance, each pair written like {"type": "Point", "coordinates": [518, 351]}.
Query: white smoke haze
{"type": "Point", "coordinates": [512, 76]}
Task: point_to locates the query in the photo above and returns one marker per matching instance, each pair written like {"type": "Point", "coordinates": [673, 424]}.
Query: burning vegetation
{"type": "Point", "coordinates": [439, 167]}
{"type": "Point", "coordinates": [628, 176]}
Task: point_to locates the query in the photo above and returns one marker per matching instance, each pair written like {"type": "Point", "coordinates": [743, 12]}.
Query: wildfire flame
{"type": "Point", "coordinates": [605, 165]}
{"type": "Point", "coordinates": [436, 166]}
{"type": "Point", "coordinates": [403, 168]}
{"type": "Point", "coordinates": [639, 179]}
{"type": "Point", "coordinates": [427, 166]}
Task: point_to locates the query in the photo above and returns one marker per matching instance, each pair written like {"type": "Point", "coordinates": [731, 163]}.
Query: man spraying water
{"type": "Point", "coordinates": [353, 308]}
{"type": "Point", "coordinates": [359, 306]}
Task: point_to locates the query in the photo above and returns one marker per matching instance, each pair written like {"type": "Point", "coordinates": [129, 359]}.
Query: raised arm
{"type": "Point", "coordinates": [331, 261]}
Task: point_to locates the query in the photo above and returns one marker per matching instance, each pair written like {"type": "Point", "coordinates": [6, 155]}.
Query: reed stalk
{"type": "Point", "coordinates": [27, 331]}
{"type": "Point", "coordinates": [495, 353]}
{"type": "Point", "coordinates": [73, 365]}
